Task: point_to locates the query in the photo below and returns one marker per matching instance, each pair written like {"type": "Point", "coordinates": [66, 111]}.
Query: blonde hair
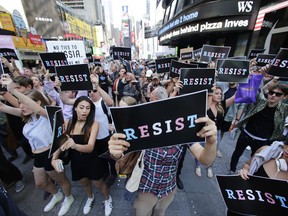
{"type": "Point", "coordinates": [129, 100]}
{"type": "Point", "coordinates": [218, 105]}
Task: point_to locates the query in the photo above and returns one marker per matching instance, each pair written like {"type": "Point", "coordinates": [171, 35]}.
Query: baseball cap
{"type": "Point", "coordinates": [149, 73]}
{"type": "Point", "coordinates": [155, 76]}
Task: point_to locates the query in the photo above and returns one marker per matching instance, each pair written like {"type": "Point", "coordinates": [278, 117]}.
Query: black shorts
{"type": "Point", "coordinates": [225, 126]}
{"type": "Point", "coordinates": [41, 160]}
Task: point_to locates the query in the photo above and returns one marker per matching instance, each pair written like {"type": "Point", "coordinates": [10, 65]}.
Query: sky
{"type": "Point", "coordinates": [136, 8]}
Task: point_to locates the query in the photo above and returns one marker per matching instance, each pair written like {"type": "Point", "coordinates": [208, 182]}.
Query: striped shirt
{"type": "Point", "coordinates": [160, 168]}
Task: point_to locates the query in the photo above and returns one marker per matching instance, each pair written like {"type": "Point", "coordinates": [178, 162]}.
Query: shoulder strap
{"type": "Point", "coordinates": [105, 110]}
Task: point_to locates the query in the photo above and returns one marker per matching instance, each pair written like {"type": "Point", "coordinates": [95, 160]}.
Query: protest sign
{"type": "Point", "coordinates": [50, 60]}
{"type": "Point", "coordinates": [74, 50]}
{"type": "Point", "coordinates": [196, 79]}
{"type": "Point", "coordinates": [74, 77]}
{"type": "Point", "coordinates": [175, 67]}
{"type": "Point", "coordinates": [212, 53]}
{"type": "Point", "coordinates": [123, 52]}
{"type": "Point", "coordinates": [200, 64]}
{"type": "Point", "coordinates": [2, 88]}
{"type": "Point", "coordinates": [126, 64]}
{"type": "Point", "coordinates": [89, 57]}
{"type": "Point", "coordinates": [161, 123]}
{"type": "Point", "coordinates": [152, 65]}
{"type": "Point", "coordinates": [253, 53]}
{"type": "Point", "coordinates": [56, 119]}
{"type": "Point", "coordinates": [163, 65]}
{"type": "Point", "coordinates": [8, 54]}
{"type": "Point", "coordinates": [197, 54]}
{"type": "Point", "coordinates": [279, 66]}
{"type": "Point", "coordinates": [97, 62]}
{"type": "Point", "coordinates": [186, 54]}
{"type": "Point", "coordinates": [232, 70]}
{"type": "Point", "coordinates": [238, 57]}
{"type": "Point", "coordinates": [264, 59]}
{"type": "Point", "coordinates": [255, 196]}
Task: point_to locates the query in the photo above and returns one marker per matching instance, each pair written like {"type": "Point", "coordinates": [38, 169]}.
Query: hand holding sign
{"type": "Point", "coordinates": [8, 82]}
{"type": "Point", "coordinates": [69, 144]}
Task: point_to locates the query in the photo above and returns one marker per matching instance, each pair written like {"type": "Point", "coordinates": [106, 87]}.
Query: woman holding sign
{"type": "Point", "coordinates": [37, 130]}
{"type": "Point", "coordinates": [82, 131]}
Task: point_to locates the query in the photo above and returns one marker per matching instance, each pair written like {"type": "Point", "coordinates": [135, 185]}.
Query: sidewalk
{"type": "Point", "coordinates": [201, 196]}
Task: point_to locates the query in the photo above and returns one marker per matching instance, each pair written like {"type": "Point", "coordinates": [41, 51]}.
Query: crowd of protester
{"type": "Point", "coordinates": [90, 130]}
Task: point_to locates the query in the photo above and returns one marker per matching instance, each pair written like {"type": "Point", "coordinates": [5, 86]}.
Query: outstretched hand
{"type": "Point", "coordinates": [8, 82]}
{"type": "Point", "coordinates": [209, 130]}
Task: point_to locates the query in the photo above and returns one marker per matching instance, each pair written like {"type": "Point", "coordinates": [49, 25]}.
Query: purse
{"type": "Point", "coordinates": [246, 92]}
{"type": "Point", "coordinates": [126, 164]}
{"type": "Point", "coordinates": [134, 181]}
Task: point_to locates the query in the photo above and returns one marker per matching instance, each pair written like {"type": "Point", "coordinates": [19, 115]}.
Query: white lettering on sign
{"type": "Point", "coordinates": [245, 6]}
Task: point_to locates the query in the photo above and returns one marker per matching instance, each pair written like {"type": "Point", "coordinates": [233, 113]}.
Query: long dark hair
{"type": "Point", "coordinates": [89, 121]}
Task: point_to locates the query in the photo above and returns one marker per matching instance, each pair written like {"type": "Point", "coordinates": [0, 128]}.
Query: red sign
{"type": "Point", "coordinates": [35, 39]}
{"type": "Point", "coordinates": [71, 35]}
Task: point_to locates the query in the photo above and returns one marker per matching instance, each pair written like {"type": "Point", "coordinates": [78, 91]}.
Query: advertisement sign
{"type": "Point", "coordinates": [78, 26]}
{"type": "Point", "coordinates": [35, 39]}
{"type": "Point", "coordinates": [22, 44]}
{"type": "Point", "coordinates": [161, 123]}
{"type": "Point", "coordinates": [6, 22]}
{"type": "Point", "coordinates": [74, 50]}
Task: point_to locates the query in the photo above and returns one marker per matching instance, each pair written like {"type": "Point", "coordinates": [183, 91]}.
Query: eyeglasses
{"type": "Point", "coordinates": [277, 94]}
{"type": "Point", "coordinates": [94, 91]}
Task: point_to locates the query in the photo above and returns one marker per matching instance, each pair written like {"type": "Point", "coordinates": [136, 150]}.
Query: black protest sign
{"type": "Point", "coordinates": [161, 123]}
{"type": "Point", "coordinates": [253, 53]}
{"type": "Point", "coordinates": [197, 54]}
{"type": "Point", "coordinates": [279, 66]}
{"type": "Point", "coordinates": [151, 65]}
{"type": "Point", "coordinates": [97, 62]}
{"type": "Point", "coordinates": [196, 79]}
{"type": "Point", "coordinates": [53, 59]}
{"type": "Point", "coordinates": [58, 132]}
{"type": "Point", "coordinates": [255, 196]}
{"type": "Point", "coordinates": [175, 67]}
{"type": "Point", "coordinates": [2, 88]}
{"type": "Point", "coordinates": [8, 54]}
{"type": "Point", "coordinates": [163, 65]}
{"type": "Point", "coordinates": [238, 57]}
{"type": "Point", "coordinates": [200, 64]}
{"type": "Point", "coordinates": [74, 77]}
{"type": "Point", "coordinates": [50, 111]}
{"type": "Point", "coordinates": [232, 70]}
{"type": "Point", "coordinates": [89, 57]}
{"type": "Point", "coordinates": [212, 53]}
{"type": "Point", "coordinates": [186, 54]}
{"type": "Point", "coordinates": [264, 59]}
{"type": "Point", "coordinates": [123, 52]}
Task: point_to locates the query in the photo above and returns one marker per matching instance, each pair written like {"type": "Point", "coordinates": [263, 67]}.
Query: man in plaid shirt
{"type": "Point", "coordinates": [158, 182]}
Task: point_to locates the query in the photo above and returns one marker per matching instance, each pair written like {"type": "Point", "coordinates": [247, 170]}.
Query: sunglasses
{"type": "Point", "coordinates": [277, 94]}
{"type": "Point", "coordinates": [94, 91]}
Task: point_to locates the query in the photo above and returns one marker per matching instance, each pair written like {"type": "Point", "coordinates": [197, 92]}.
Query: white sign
{"type": "Point", "coordinates": [74, 50]}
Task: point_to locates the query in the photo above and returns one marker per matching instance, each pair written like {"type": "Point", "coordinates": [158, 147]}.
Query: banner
{"type": "Point", "coordinates": [255, 196]}
{"type": "Point", "coordinates": [176, 66]}
{"type": "Point", "coordinates": [35, 39]}
{"type": "Point", "coordinates": [279, 66]}
{"type": "Point", "coordinates": [56, 119]}
{"type": "Point", "coordinates": [123, 52]}
{"type": "Point", "coordinates": [264, 59]}
{"type": "Point", "coordinates": [212, 53]}
{"type": "Point", "coordinates": [161, 123]}
{"type": "Point", "coordinates": [231, 70]}
{"type": "Point", "coordinates": [50, 60]}
{"type": "Point", "coordinates": [6, 21]}
{"type": "Point", "coordinates": [253, 53]}
{"type": "Point", "coordinates": [163, 65]}
{"type": "Point", "coordinates": [196, 79]}
{"type": "Point", "coordinates": [186, 54]}
{"type": "Point", "coordinates": [74, 77]}
{"type": "Point", "coordinates": [74, 50]}
{"type": "Point", "coordinates": [8, 54]}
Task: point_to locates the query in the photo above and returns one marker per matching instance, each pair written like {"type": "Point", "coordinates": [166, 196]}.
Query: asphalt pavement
{"type": "Point", "coordinates": [201, 195]}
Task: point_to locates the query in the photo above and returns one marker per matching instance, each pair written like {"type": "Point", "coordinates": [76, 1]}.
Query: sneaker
{"type": "Point", "coordinates": [209, 172]}
{"type": "Point", "coordinates": [219, 154]}
{"type": "Point", "coordinates": [26, 159]}
{"type": "Point", "coordinates": [248, 148]}
{"type": "Point", "coordinates": [55, 199]}
{"type": "Point", "coordinates": [19, 186]}
{"type": "Point", "coordinates": [88, 205]}
{"type": "Point", "coordinates": [66, 205]}
{"type": "Point", "coordinates": [108, 206]}
{"type": "Point", "coordinates": [179, 183]}
{"type": "Point", "coordinates": [198, 171]}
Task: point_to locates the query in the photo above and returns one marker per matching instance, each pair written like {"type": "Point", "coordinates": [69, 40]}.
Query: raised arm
{"type": "Point", "coordinates": [10, 110]}
{"type": "Point", "coordinates": [106, 98]}
{"type": "Point", "coordinates": [207, 154]}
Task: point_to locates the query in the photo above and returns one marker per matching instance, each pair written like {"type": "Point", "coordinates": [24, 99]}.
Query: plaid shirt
{"type": "Point", "coordinates": [160, 168]}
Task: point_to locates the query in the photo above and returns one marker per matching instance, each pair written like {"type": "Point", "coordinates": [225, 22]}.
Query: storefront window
{"type": "Point", "coordinates": [172, 9]}
{"type": "Point", "coordinates": [166, 18]}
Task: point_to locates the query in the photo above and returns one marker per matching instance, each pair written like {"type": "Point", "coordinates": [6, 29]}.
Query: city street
{"type": "Point", "coordinates": [201, 196]}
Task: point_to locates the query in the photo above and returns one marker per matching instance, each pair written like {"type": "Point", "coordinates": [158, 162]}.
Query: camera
{"type": "Point", "coordinates": [60, 165]}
